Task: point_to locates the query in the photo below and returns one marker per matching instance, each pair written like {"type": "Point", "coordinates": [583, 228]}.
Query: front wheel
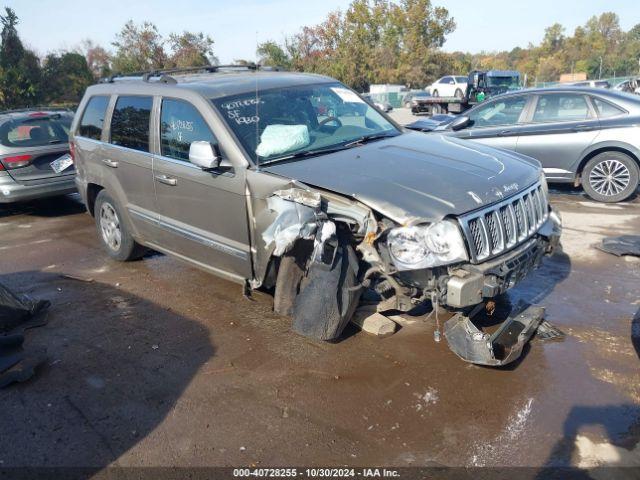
{"type": "Point", "coordinates": [113, 232]}
{"type": "Point", "coordinates": [610, 177]}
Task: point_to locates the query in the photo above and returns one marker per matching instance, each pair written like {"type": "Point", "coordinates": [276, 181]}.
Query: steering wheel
{"type": "Point", "coordinates": [330, 119]}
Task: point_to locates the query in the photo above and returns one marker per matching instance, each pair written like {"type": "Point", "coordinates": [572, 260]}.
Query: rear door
{"type": "Point", "coordinates": [559, 127]}
{"type": "Point", "coordinates": [203, 213]}
{"type": "Point", "coordinates": [497, 122]}
{"type": "Point", "coordinates": [126, 162]}
{"type": "Point", "coordinates": [31, 141]}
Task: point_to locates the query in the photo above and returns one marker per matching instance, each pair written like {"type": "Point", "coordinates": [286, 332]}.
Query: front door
{"type": "Point", "coordinates": [203, 213]}
{"type": "Point", "coordinates": [560, 128]}
{"type": "Point", "coordinates": [496, 123]}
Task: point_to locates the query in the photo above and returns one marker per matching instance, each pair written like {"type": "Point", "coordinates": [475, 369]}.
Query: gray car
{"type": "Point", "coordinates": [584, 136]}
{"type": "Point", "coordinates": [34, 154]}
{"type": "Point", "coordinates": [239, 174]}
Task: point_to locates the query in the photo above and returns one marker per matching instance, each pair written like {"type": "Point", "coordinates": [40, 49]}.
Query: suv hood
{"type": "Point", "coordinates": [414, 177]}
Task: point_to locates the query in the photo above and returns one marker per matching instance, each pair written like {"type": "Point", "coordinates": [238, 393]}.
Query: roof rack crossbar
{"type": "Point", "coordinates": [164, 75]}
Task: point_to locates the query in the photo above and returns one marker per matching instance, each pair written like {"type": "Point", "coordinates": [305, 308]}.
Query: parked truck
{"type": "Point", "coordinates": [480, 86]}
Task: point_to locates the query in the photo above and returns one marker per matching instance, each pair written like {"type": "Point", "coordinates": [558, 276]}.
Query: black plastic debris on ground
{"type": "Point", "coordinates": [622, 245]}
{"type": "Point", "coordinates": [17, 314]}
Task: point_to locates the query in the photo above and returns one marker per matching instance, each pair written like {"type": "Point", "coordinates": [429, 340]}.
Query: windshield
{"type": "Point", "coordinates": [36, 130]}
{"type": "Point", "coordinates": [282, 122]}
{"type": "Point", "coordinates": [504, 82]}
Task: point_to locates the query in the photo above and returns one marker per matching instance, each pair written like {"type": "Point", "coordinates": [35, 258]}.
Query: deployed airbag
{"type": "Point", "coordinates": [279, 139]}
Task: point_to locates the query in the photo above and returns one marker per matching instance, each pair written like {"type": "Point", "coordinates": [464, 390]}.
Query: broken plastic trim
{"type": "Point", "coordinates": [503, 346]}
{"type": "Point", "coordinates": [298, 217]}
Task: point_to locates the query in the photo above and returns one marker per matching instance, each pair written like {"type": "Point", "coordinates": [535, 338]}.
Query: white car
{"type": "Point", "coordinates": [631, 86]}
{"type": "Point", "coordinates": [449, 86]}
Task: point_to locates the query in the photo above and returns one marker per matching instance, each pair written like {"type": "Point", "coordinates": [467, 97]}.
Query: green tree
{"type": "Point", "coordinates": [66, 77]}
{"type": "Point", "coordinates": [191, 50]}
{"type": "Point", "coordinates": [272, 54]}
{"type": "Point", "coordinates": [373, 41]}
{"type": "Point", "coordinates": [139, 48]}
{"type": "Point", "coordinates": [20, 74]}
{"type": "Point", "coordinates": [553, 38]}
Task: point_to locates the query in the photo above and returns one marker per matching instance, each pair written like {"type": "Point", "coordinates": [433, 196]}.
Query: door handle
{"type": "Point", "coordinates": [110, 163]}
{"type": "Point", "coordinates": [504, 133]}
{"type": "Point", "coordinates": [167, 180]}
{"type": "Point", "coordinates": [581, 128]}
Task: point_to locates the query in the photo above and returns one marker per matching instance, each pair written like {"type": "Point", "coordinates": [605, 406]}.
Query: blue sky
{"type": "Point", "coordinates": [49, 25]}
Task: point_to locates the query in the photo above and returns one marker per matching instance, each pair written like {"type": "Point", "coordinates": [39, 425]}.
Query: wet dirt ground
{"type": "Point", "coordinates": [157, 363]}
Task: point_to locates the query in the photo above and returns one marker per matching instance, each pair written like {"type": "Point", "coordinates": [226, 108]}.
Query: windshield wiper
{"type": "Point", "coordinates": [306, 153]}
{"type": "Point", "coordinates": [336, 148]}
{"type": "Point", "coordinates": [370, 138]}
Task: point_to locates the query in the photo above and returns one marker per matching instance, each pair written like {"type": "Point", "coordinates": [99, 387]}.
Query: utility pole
{"type": "Point", "coordinates": [600, 72]}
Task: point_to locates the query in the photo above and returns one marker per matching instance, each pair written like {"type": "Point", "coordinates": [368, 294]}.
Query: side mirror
{"type": "Point", "coordinates": [204, 155]}
{"type": "Point", "coordinates": [460, 122]}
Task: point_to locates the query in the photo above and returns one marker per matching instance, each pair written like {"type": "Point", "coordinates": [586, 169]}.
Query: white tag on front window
{"type": "Point", "coordinates": [347, 95]}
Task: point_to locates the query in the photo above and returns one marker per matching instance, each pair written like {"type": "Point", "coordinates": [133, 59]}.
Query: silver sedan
{"type": "Point", "coordinates": [584, 136]}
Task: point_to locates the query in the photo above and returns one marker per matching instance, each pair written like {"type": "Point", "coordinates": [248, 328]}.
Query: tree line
{"type": "Point", "coordinates": [372, 41]}
{"type": "Point", "coordinates": [62, 77]}
{"type": "Point", "coordinates": [380, 41]}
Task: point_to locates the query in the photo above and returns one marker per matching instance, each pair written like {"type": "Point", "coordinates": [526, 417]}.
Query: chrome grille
{"type": "Point", "coordinates": [493, 230]}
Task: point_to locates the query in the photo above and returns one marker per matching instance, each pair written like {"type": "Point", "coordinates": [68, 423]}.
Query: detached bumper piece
{"type": "Point", "coordinates": [499, 348]}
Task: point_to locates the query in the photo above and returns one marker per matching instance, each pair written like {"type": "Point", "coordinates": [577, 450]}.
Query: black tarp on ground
{"type": "Point", "coordinates": [622, 245]}
{"type": "Point", "coordinates": [17, 314]}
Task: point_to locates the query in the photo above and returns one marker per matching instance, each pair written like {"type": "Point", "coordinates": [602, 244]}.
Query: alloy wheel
{"type": "Point", "coordinates": [110, 227]}
{"type": "Point", "coordinates": [609, 177]}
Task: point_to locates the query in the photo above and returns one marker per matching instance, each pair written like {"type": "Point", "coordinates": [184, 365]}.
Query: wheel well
{"type": "Point", "coordinates": [92, 193]}
{"type": "Point", "coordinates": [606, 149]}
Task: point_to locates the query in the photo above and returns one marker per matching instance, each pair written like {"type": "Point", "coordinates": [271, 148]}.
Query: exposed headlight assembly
{"type": "Point", "coordinates": [426, 246]}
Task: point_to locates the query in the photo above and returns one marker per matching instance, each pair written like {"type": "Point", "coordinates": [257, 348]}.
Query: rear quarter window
{"type": "Point", "coordinates": [130, 122]}
{"type": "Point", "coordinates": [36, 130]}
{"type": "Point", "coordinates": [92, 120]}
{"type": "Point", "coordinates": [606, 109]}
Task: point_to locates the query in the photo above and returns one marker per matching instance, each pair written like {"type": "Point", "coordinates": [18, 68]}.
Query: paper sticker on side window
{"type": "Point", "coordinates": [62, 163]}
{"type": "Point", "coordinates": [347, 95]}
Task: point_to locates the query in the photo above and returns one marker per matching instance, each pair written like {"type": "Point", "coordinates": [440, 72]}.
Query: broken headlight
{"type": "Point", "coordinates": [426, 246]}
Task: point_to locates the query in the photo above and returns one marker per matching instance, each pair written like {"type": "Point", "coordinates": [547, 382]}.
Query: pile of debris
{"type": "Point", "coordinates": [19, 313]}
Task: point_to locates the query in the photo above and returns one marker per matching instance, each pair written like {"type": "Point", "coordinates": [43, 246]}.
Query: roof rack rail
{"type": "Point", "coordinates": [38, 108]}
{"type": "Point", "coordinates": [165, 75]}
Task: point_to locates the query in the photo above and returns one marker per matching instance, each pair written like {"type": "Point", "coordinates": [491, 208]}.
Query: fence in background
{"type": "Point", "coordinates": [395, 99]}
{"type": "Point", "coordinates": [613, 81]}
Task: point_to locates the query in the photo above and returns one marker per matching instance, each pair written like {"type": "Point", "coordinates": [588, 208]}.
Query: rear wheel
{"type": "Point", "coordinates": [610, 177]}
{"type": "Point", "coordinates": [458, 94]}
{"type": "Point", "coordinates": [113, 231]}
{"type": "Point", "coordinates": [436, 93]}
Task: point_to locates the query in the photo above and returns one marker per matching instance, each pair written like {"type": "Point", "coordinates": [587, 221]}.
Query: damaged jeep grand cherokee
{"type": "Point", "coordinates": [293, 182]}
